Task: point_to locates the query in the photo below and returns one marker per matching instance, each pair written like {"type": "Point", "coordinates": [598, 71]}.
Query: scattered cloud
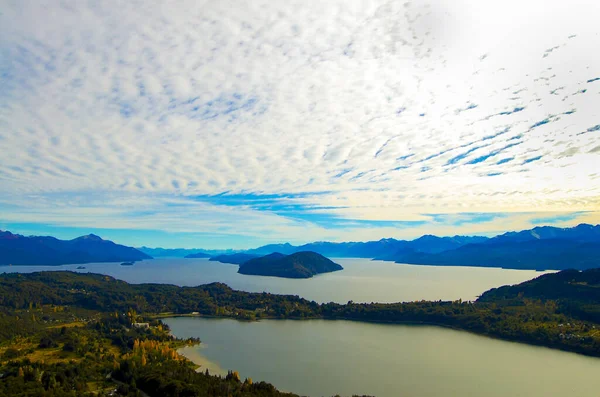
{"type": "Point", "coordinates": [298, 120]}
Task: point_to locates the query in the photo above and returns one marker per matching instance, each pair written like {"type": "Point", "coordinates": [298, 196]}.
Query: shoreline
{"type": "Point", "coordinates": [406, 323]}
{"type": "Point", "coordinates": [193, 354]}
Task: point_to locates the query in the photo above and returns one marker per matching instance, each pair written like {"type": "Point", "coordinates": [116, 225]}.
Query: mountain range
{"type": "Point", "coordinates": [540, 248]}
{"type": "Point", "coordinates": [179, 252]}
{"type": "Point", "coordinates": [44, 250]}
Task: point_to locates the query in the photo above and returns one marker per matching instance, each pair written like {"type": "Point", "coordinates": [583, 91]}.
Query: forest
{"type": "Point", "coordinates": [64, 332]}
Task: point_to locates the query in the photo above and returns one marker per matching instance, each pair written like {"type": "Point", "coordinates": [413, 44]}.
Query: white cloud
{"type": "Point", "coordinates": [395, 109]}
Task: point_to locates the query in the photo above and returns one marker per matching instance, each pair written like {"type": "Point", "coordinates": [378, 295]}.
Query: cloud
{"type": "Point", "coordinates": [363, 112]}
{"type": "Point", "coordinates": [244, 222]}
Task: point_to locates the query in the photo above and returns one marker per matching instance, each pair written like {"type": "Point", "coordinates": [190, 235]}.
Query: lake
{"type": "Point", "coordinates": [362, 280]}
{"type": "Point", "coordinates": [324, 358]}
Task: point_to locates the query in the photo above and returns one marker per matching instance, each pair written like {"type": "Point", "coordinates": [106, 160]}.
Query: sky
{"type": "Point", "coordinates": [231, 124]}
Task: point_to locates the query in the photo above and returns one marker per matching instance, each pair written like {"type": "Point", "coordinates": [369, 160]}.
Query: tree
{"type": "Point", "coordinates": [10, 353]}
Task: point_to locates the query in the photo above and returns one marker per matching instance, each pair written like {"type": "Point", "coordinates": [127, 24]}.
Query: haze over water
{"type": "Point", "coordinates": [362, 280]}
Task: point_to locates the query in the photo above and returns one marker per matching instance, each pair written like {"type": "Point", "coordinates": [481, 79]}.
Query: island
{"type": "Point", "coordinates": [304, 264]}
{"type": "Point", "coordinates": [80, 267]}
{"type": "Point", "coordinates": [127, 264]}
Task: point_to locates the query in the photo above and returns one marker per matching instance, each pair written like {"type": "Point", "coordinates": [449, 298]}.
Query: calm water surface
{"type": "Point", "coordinates": [362, 280]}
{"type": "Point", "coordinates": [324, 358]}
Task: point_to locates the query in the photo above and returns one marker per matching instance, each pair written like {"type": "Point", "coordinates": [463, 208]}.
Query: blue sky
{"type": "Point", "coordinates": [232, 124]}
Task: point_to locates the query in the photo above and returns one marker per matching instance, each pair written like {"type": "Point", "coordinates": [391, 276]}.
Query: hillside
{"type": "Point", "coordinates": [298, 265]}
{"type": "Point", "coordinates": [567, 286]}
{"type": "Point", "coordinates": [42, 250]}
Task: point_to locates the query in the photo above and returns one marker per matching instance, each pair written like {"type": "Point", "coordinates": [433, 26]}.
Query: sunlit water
{"type": "Point", "coordinates": [362, 280]}
{"type": "Point", "coordinates": [324, 358]}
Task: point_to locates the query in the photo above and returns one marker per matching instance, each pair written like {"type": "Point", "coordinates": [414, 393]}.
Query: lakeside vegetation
{"type": "Point", "coordinates": [70, 334]}
{"type": "Point", "coordinates": [64, 333]}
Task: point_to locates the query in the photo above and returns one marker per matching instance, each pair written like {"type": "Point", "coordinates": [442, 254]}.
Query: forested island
{"type": "Point", "coordinates": [305, 264]}
{"type": "Point", "coordinates": [64, 332]}
{"type": "Point", "coordinates": [297, 265]}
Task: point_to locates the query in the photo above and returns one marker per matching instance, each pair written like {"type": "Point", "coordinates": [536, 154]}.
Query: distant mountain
{"type": "Point", "coordinates": [433, 244]}
{"type": "Point", "coordinates": [42, 250]}
{"type": "Point", "coordinates": [297, 265]}
{"type": "Point", "coordinates": [541, 248]}
{"type": "Point", "coordinates": [385, 249]}
{"type": "Point", "coordinates": [179, 252]}
{"type": "Point", "coordinates": [198, 255]}
{"type": "Point", "coordinates": [236, 259]}
{"type": "Point", "coordinates": [429, 244]}
{"type": "Point", "coordinates": [537, 255]}
{"type": "Point", "coordinates": [582, 233]}
{"type": "Point", "coordinates": [382, 249]}
{"type": "Point", "coordinates": [285, 248]}
{"type": "Point", "coordinates": [352, 249]}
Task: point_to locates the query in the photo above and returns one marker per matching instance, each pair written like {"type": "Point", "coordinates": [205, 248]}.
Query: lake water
{"type": "Point", "coordinates": [324, 358]}
{"type": "Point", "coordinates": [329, 357]}
{"type": "Point", "coordinates": [362, 280]}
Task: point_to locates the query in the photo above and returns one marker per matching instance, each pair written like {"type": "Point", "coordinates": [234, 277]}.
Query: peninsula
{"type": "Point", "coordinates": [234, 259]}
